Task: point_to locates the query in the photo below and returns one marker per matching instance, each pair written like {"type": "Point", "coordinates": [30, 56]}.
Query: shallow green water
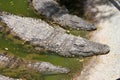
{"type": "Point", "coordinates": [20, 7]}
{"type": "Point", "coordinates": [27, 52]}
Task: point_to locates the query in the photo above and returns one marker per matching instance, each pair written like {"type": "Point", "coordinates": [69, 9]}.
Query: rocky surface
{"type": "Point", "coordinates": [45, 67]}
{"type": "Point", "coordinates": [52, 38]}
{"type": "Point", "coordinates": [52, 10]}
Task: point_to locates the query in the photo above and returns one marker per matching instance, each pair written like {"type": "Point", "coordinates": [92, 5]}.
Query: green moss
{"type": "Point", "coordinates": [13, 47]}
{"type": "Point", "coordinates": [20, 73]}
{"type": "Point", "coordinates": [81, 33]}
{"type": "Point", "coordinates": [19, 7]}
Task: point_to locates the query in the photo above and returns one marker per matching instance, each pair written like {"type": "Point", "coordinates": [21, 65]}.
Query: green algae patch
{"type": "Point", "coordinates": [19, 7]}
{"type": "Point", "coordinates": [81, 33]}
{"type": "Point", "coordinates": [28, 53]}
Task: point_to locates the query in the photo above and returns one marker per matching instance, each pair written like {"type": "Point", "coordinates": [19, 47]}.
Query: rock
{"type": "Point", "coordinates": [52, 10]}
{"type": "Point", "coordinates": [44, 67]}
{"type": "Point", "coordinates": [51, 38]}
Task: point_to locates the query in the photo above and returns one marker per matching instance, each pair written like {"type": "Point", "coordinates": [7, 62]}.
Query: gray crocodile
{"type": "Point", "coordinates": [51, 38]}
{"type": "Point", "coordinates": [43, 67]}
{"type": "Point", "coordinates": [52, 10]}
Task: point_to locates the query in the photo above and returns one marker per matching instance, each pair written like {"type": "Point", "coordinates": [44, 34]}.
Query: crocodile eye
{"type": "Point", "coordinates": [81, 45]}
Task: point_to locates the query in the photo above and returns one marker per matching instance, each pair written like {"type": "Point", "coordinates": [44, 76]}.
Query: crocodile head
{"type": "Point", "coordinates": [88, 48]}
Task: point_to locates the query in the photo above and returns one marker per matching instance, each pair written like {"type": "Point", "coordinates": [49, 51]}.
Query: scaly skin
{"type": "Point", "coordinates": [51, 38]}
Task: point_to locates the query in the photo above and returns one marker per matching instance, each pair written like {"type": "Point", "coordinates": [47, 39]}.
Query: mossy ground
{"type": "Point", "coordinates": [18, 48]}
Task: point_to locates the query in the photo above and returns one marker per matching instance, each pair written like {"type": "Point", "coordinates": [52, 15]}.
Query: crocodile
{"type": "Point", "coordinates": [50, 38]}
{"type": "Point", "coordinates": [39, 66]}
{"type": "Point", "coordinates": [60, 14]}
